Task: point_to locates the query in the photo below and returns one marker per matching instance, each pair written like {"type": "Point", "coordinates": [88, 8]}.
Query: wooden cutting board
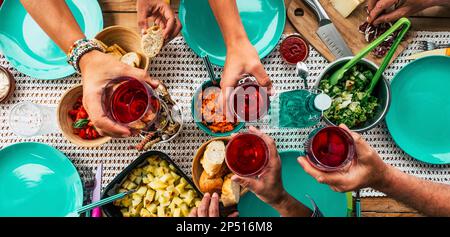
{"type": "Point", "coordinates": [307, 26]}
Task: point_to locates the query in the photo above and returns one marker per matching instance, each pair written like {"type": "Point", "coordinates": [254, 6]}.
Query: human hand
{"type": "Point", "coordinates": [209, 207]}
{"type": "Point", "coordinates": [268, 186]}
{"type": "Point", "coordinates": [368, 170]}
{"type": "Point", "coordinates": [97, 69]}
{"type": "Point", "coordinates": [404, 8]}
{"type": "Point", "coordinates": [161, 14]}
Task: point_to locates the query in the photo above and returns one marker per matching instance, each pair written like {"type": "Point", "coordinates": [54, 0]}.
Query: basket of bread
{"type": "Point", "coordinates": [211, 174]}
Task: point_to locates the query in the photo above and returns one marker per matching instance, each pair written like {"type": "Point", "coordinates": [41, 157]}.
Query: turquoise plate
{"type": "Point", "coordinates": [39, 181]}
{"type": "Point", "coordinates": [299, 184]}
{"type": "Point", "coordinates": [30, 50]}
{"type": "Point", "coordinates": [263, 21]}
{"type": "Point", "coordinates": [419, 117]}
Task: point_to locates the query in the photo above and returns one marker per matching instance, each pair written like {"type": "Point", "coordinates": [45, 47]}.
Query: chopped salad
{"type": "Point", "coordinates": [349, 105]}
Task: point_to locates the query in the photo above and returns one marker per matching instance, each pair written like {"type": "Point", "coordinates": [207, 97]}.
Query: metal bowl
{"type": "Point", "coordinates": [382, 91]}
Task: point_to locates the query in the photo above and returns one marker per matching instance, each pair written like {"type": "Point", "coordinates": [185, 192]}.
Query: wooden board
{"type": "Point", "coordinates": [307, 26]}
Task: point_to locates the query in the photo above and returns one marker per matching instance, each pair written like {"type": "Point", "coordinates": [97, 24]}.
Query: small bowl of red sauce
{"type": "Point", "coordinates": [294, 49]}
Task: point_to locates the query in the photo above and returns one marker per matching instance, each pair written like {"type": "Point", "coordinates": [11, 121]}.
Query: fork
{"type": "Point", "coordinates": [88, 177]}
{"type": "Point", "coordinates": [428, 45]}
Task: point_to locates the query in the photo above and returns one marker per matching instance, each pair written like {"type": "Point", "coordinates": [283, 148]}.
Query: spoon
{"type": "Point", "coordinates": [210, 69]}
{"type": "Point", "coordinates": [339, 74]}
{"type": "Point", "coordinates": [303, 73]}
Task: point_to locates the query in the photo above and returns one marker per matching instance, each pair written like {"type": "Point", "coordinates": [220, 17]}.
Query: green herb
{"type": "Point", "coordinates": [80, 123]}
{"type": "Point", "coordinates": [348, 106]}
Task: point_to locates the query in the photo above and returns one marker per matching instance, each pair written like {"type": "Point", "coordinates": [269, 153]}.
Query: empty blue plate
{"type": "Point", "coordinates": [299, 184]}
{"type": "Point", "coordinates": [419, 117]}
{"type": "Point", "coordinates": [36, 180]}
{"type": "Point", "coordinates": [30, 50]}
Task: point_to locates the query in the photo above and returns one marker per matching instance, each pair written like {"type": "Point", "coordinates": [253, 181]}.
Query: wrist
{"type": "Point", "coordinates": [236, 39]}
{"type": "Point", "coordinates": [280, 201]}
{"type": "Point", "coordinates": [385, 179]}
{"type": "Point", "coordinates": [87, 59]}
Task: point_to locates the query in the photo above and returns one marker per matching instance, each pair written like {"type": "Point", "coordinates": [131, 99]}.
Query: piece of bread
{"type": "Point", "coordinates": [133, 59]}
{"type": "Point", "coordinates": [210, 185]}
{"type": "Point", "coordinates": [152, 41]}
{"type": "Point", "coordinates": [230, 192]}
{"type": "Point", "coordinates": [213, 158]}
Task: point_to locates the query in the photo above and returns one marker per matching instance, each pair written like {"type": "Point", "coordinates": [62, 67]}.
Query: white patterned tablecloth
{"type": "Point", "coordinates": [183, 72]}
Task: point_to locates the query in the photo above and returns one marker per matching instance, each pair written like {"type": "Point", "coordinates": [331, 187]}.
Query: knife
{"type": "Point", "coordinates": [327, 32]}
{"type": "Point", "coordinates": [96, 195]}
{"type": "Point", "coordinates": [445, 52]}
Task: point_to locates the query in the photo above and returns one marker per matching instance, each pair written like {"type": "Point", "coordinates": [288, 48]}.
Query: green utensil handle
{"type": "Point", "coordinates": [102, 202]}
{"type": "Point", "coordinates": [406, 25]}
{"type": "Point", "coordinates": [402, 22]}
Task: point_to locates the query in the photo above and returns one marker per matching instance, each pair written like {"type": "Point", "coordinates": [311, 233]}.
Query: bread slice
{"type": "Point", "coordinates": [213, 158]}
{"type": "Point", "coordinates": [230, 192]}
{"type": "Point", "coordinates": [210, 185]}
{"type": "Point", "coordinates": [133, 59]}
{"type": "Point", "coordinates": [152, 41]}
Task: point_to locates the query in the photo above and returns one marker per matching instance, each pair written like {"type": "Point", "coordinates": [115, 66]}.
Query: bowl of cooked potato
{"type": "Point", "coordinates": [211, 174]}
{"type": "Point", "coordinates": [161, 189]}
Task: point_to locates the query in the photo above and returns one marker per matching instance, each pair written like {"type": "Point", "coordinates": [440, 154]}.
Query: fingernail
{"type": "Point", "coordinates": [215, 195]}
{"type": "Point", "coordinates": [207, 195]}
{"type": "Point", "coordinates": [234, 178]}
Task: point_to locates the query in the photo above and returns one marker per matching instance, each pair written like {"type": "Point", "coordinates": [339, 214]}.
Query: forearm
{"type": "Point", "coordinates": [444, 3]}
{"type": "Point", "coordinates": [227, 16]}
{"type": "Point", "coordinates": [288, 206]}
{"type": "Point", "coordinates": [56, 19]}
{"type": "Point", "coordinates": [427, 197]}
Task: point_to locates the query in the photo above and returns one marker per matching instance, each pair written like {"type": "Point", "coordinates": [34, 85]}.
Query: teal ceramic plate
{"type": "Point", "coordinates": [298, 184]}
{"type": "Point", "coordinates": [419, 117]}
{"type": "Point", "coordinates": [37, 180]}
{"type": "Point", "coordinates": [30, 50]}
{"type": "Point", "coordinates": [263, 21]}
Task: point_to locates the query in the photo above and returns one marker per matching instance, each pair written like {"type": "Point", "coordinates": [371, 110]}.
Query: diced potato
{"type": "Point", "coordinates": [161, 211]}
{"type": "Point", "coordinates": [184, 209]}
{"type": "Point", "coordinates": [141, 190]}
{"type": "Point", "coordinates": [171, 167]}
{"type": "Point", "coordinates": [125, 184]}
{"type": "Point", "coordinates": [177, 212]}
{"type": "Point", "coordinates": [132, 177]}
{"type": "Point", "coordinates": [136, 201]}
{"type": "Point", "coordinates": [145, 213]}
{"type": "Point", "coordinates": [122, 190]}
{"type": "Point", "coordinates": [197, 202]}
{"type": "Point", "coordinates": [167, 178]}
{"type": "Point", "coordinates": [175, 175]}
{"type": "Point", "coordinates": [138, 180]}
{"type": "Point", "coordinates": [164, 164]}
{"type": "Point", "coordinates": [157, 185]}
{"type": "Point", "coordinates": [125, 212]}
{"type": "Point", "coordinates": [137, 172]}
{"type": "Point", "coordinates": [180, 188]}
{"type": "Point", "coordinates": [145, 180]}
{"type": "Point", "coordinates": [126, 202]}
{"type": "Point", "coordinates": [152, 208]}
{"type": "Point", "coordinates": [131, 186]}
{"type": "Point", "coordinates": [149, 197]}
{"type": "Point", "coordinates": [177, 201]}
{"type": "Point", "coordinates": [189, 197]}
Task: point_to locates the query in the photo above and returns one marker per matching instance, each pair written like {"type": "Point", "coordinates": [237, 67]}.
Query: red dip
{"type": "Point", "coordinates": [294, 49]}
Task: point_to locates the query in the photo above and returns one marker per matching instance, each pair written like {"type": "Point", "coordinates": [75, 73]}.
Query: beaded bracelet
{"type": "Point", "coordinates": [80, 48]}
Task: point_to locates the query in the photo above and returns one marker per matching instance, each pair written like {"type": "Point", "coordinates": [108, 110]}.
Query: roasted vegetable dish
{"type": "Point", "coordinates": [350, 104]}
{"type": "Point", "coordinates": [213, 116]}
{"type": "Point", "coordinates": [81, 125]}
{"type": "Point", "coordinates": [160, 192]}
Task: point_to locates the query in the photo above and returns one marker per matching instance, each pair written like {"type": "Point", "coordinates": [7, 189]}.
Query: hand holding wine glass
{"type": "Point", "coordinates": [97, 70]}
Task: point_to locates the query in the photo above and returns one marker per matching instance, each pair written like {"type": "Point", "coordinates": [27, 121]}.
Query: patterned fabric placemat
{"type": "Point", "coordinates": [183, 72]}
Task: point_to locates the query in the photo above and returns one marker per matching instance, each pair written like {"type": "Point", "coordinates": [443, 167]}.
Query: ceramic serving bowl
{"type": "Point", "coordinates": [12, 84]}
{"type": "Point", "coordinates": [382, 91]}
{"type": "Point", "coordinates": [195, 110]}
{"type": "Point", "coordinates": [65, 122]}
{"type": "Point", "coordinates": [127, 39]}
{"type": "Point", "coordinates": [197, 168]}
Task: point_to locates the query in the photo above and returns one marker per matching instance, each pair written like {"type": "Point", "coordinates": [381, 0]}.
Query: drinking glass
{"type": "Point", "coordinates": [27, 119]}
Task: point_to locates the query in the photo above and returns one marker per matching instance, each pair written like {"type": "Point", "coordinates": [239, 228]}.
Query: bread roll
{"type": "Point", "coordinates": [133, 59]}
{"type": "Point", "coordinates": [210, 185]}
{"type": "Point", "coordinates": [230, 192]}
{"type": "Point", "coordinates": [213, 158]}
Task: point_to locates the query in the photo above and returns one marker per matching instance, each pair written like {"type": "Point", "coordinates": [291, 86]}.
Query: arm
{"type": "Point", "coordinates": [97, 68]}
{"type": "Point", "coordinates": [55, 10]}
{"type": "Point", "coordinates": [269, 187]}
{"type": "Point", "coordinates": [404, 8]}
{"type": "Point", "coordinates": [427, 197]}
{"type": "Point", "coordinates": [369, 170]}
{"type": "Point", "coordinates": [242, 57]}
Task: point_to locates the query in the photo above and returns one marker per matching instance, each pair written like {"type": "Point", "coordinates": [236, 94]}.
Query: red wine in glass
{"type": "Point", "coordinates": [249, 101]}
{"type": "Point", "coordinates": [128, 100]}
{"type": "Point", "coordinates": [331, 149]}
{"type": "Point", "coordinates": [247, 154]}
